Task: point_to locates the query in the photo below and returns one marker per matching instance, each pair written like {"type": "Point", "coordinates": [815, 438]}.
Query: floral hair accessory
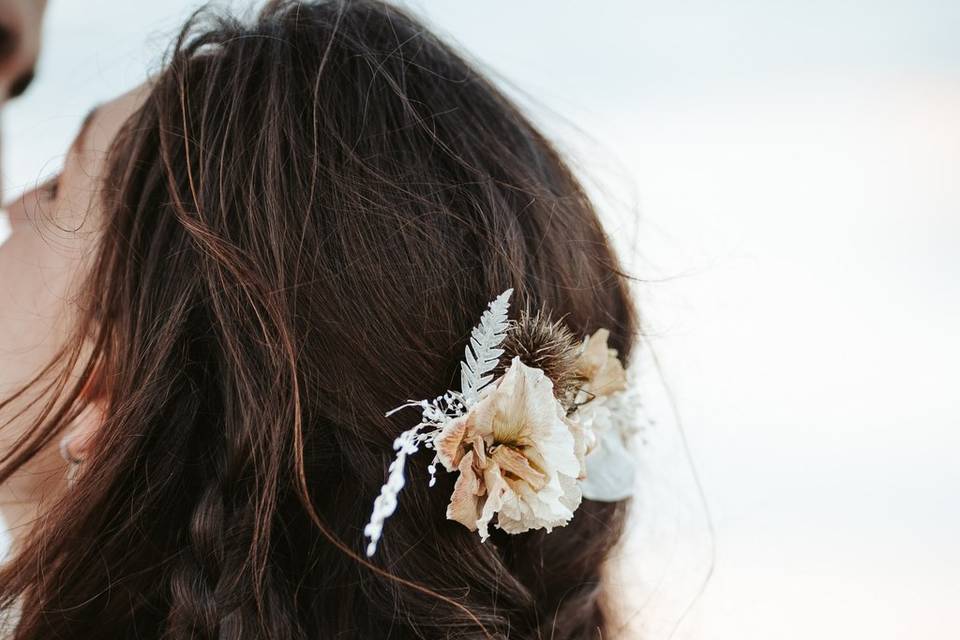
{"type": "Point", "coordinates": [540, 422]}
{"type": "Point", "coordinates": [607, 406]}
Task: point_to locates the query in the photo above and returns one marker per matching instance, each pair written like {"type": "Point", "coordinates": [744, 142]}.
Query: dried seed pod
{"type": "Point", "coordinates": [549, 345]}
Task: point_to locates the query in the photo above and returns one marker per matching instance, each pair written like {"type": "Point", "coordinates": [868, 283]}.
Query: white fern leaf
{"type": "Point", "coordinates": [483, 353]}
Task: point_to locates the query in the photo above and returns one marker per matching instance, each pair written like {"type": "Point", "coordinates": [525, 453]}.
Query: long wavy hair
{"type": "Point", "coordinates": [302, 224]}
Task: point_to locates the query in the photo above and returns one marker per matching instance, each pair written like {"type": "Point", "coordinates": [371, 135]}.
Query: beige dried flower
{"type": "Point", "coordinates": [607, 411]}
{"type": "Point", "coordinates": [600, 368]}
{"type": "Point", "coordinates": [518, 456]}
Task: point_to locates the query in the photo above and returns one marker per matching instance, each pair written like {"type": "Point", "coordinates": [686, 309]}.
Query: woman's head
{"type": "Point", "coordinates": [297, 227]}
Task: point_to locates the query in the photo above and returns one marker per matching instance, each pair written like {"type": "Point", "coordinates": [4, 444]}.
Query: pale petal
{"type": "Point", "coordinates": [525, 509]}
{"type": "Point", "coordinates": [611, 470]}
{"type": "Point", "coordinates": [595, 416]}
{"type": "Point", "coordinates": [572, 494]}
{"type": "Point", "coordinates": [555, 449]}
{"type": "Point", "coordinates": [480, 450]}
{"type": "Point", "coordinates": [469, 429]}
{"type": "Point", "coordinates": [594, 354]}
{"type": "Point", "coordinates": [555, 503]}
{"type": "Point", "coordinates": [611, 378]}
{"type": "Point", "coordinates": [450, 444]}
{"type": "Point", "coordinates": [601, 367]}
{"type": "Point", "coordinates": [524, 403]}
{"type": "Point", "coordinates": [496, 489]}
{"type": "Point", "coordinates": [512, 461]}
{"type": "Point", "coordinates": [482, 414]}
{"type": "Point", "coordinates": [513, 510]}
{"type": "Point", "coordinates": [467, 495]}
{"type": "Point", "coordinates": [584, 440]}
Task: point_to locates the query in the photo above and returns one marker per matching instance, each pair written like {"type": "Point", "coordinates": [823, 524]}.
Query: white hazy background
{"type": "Point", "coordinates": [783, 177]}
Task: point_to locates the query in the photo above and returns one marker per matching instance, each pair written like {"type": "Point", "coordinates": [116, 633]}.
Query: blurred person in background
{"type": "Point", "coordinates": [243, 266]}
{"type": "Point", "coordinates": [20, 26]}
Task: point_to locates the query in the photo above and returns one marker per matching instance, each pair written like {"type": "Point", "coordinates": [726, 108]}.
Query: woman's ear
{"type": "Point", "coordinates": [75, 443]}
{"type": "Point", "coordinates": [74, 446]}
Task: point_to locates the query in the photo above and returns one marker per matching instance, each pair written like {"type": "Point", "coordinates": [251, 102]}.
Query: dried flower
{"type": "Point", "coordinates": [599, 366]}
{"type": "Point", "coordinates": [545, 344]}
{"type": "Point", "coordinates": [607, 407]}
{"type": "Point", "coordinates": [517, 456]}
{"type": "Point", "coordinates": [480, 357]}
{"type": "Point", "coordinates": [528, 440]}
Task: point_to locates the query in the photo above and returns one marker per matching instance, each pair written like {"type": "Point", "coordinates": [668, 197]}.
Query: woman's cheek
{"type": "Point", "coordinates": [39, 269]}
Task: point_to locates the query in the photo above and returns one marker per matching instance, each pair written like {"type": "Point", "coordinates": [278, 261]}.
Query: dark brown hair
{"type": "Point", "coordinates": [302, 224]}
